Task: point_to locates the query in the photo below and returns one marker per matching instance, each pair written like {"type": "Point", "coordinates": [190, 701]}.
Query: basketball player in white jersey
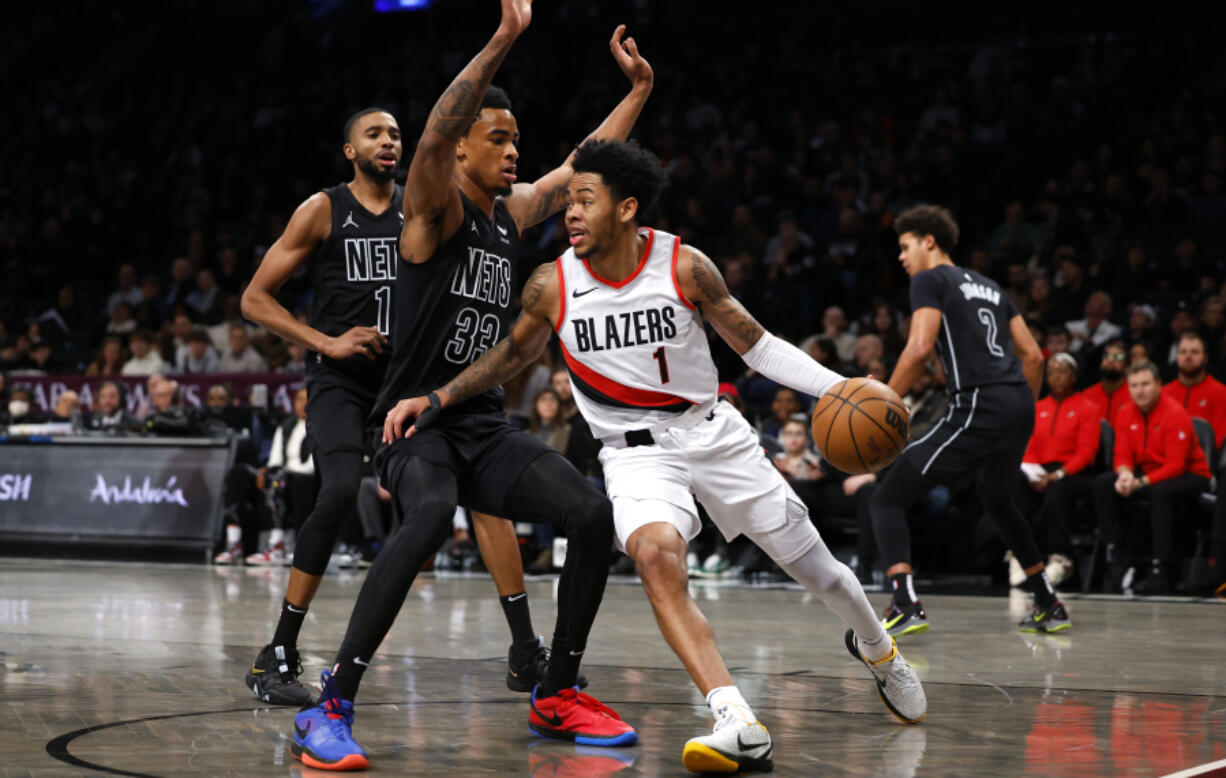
{"type": "Point", "coordinates": [628, 305]}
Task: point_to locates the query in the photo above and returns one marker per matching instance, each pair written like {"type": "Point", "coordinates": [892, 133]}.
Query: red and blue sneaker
{"type": "Point", "coordinates": [572, 715]}
{"type": "Point", "coordinates": [322, 737]}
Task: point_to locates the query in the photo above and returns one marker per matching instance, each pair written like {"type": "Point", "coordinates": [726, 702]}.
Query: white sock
{"type": "Point", "coordinates": [728, 705]}
{"type": "Point", "coordinates": [275, 536]}
{"type": "Point", "coordinates": [234, 534]}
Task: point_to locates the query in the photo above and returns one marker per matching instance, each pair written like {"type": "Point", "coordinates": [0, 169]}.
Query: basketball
{"type": "Point", "coordinates": [860, 426]}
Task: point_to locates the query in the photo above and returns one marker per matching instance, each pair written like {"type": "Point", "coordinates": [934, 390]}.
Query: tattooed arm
{"type": "Point", "coordinates": [778, 360]}
{"type": "Point", "coordinates": [432, 209]}
{"type": "Point", "coordinates": [528, 338]}
{"type": "Point", "coordinates": [702, 284]}
{"type": "Point", "coordinates": [531, 204]}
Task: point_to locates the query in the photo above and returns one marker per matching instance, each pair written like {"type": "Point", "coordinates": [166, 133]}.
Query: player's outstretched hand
{"type": "Point", "coordinates": [404, 412]}
{"type": "Point", "coordinates": [367, 341]}
{"type": "Point", "coordinates": [516, 15]}
{"type": "Point", "coordinates": [626, 52]}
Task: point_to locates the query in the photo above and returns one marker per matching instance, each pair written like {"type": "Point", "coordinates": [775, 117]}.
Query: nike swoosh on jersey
{"type": "Point", "coordinates": [577, 293]}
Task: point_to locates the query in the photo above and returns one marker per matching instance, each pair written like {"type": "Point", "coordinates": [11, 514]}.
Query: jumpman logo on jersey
{"type": "Point", "coordinates": [474, 226]}
{"type": "Point", "coordinates": [349, 222]}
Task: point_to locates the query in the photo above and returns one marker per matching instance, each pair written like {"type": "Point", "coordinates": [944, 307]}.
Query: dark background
{"type": "Point", "coordinates": [141, 134]}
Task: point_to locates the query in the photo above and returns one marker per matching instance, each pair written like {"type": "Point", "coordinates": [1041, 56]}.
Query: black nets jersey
{"type": "Point", "coordinates": [451, 309]}
{"type": "Point", "coordinates": [974, 342]}
{"type": "Point", "coordinates": [353, 275]}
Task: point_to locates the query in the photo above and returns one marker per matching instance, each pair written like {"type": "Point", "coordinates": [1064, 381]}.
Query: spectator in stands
{"type": "Point", "coordinates": [869, 349]}
{"type": "Point", "coordinates": [204, 298]}
{"type": "Point", "coordinates": [289, 461]}
{"type": "Point", "coordinates": [886, 324]}
{"type": "Point", "coordinates": [796, 461]}
{"type": "Point", "coordinates": [58, 323]}
{"type": "Point", "coordinates": [151, 310]}
{"type": "Point", "coordinates": [67, 406]}
{"type": "Point", "coordinates": [1040, 299]}
{"type": "Point", "coordinates": [1212, 321]}
{"type": "Point", "coordinates": [241, 357]}
{"type": "Point", "coordinates": [834, 327]}
{"type": "Point", "coordinates": [1142, 323]}
{"type": "Point", "coordinates": [42, 358]}
{"type": "Point", "coordinates": [181, 284]}
{"type": "Point", "coordinates": [546, 421]}
{"type": "Point", "coordinates": [198, 357]}
{"type": "Point", "coordinates": [121, 321]}
{"type": "Point", "coordinates": [20, 409]}
{"type": "Point", "coordinates": [1095, 329]}
{"type": "Point", "coordinates": [1057, 341]}
{"type": "Point", "coordinates": [1111, 392]}
{"type": "Point", "coordinates": [108, 412]}
{"type": "Point", "coordinates": [1181, 321]}
{"type": "Point", "coordinates": [295, 359]}
{"type": "Point", "coordinates": [145, 358]}
{"type": "Point", "coordinates": [1194, 389]}
{"type": "Point", "coordinates": [110, 358]}
{"type": "Point", "coordinates": [1063, 445]}
{"type": "Point", "coordinates": [127, 291]}
{"type": "Point", "coordinates": [163, 395]}
{"type": "Point", "coordinates": [785, 404]}
{"type": "Point", "coordinates": [1156, 452]}
{"type": "Point", "coordinates": [1071, 292]}
{"type": "Point", "coordinates": [1139, 352]}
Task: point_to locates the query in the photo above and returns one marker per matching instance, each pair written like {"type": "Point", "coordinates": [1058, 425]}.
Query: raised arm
{"type": "Point", "coordinates": [531, 204]}
{"type": "Point", "coordinates": [510, 355]}
{"type": "Point", "coordinates": [702, 284]}
{"type": "Point", "coordinates": [432, 209]}
{"type": "Point", "coordinates": [925, 324]}
{"type": "Point", "coordinates": [307, 228]}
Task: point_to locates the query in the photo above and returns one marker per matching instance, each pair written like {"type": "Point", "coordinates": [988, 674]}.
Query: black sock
{"type": "Point", "coordinates": [519, 619]}
{"type": "Point", "coordinates": [902, 589]}
{"type": "Point", "coordinates": [348, 672]}
{"type": "Point", "coordinates": [289, 625]}
{"type": "Point", "coordinates": [1044, 594]}
{"type": "Point", "coordinates": [564, 662]}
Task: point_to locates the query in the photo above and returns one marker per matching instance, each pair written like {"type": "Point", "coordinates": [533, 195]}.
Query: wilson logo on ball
{"type": "Point", "coordinates": [894, 419]}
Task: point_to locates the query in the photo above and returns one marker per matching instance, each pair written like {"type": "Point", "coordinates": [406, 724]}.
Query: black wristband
{"type": "Point", "coordinates": [429, 416]}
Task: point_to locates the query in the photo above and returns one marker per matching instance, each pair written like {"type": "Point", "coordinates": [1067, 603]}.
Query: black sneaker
{"type": "Point", "coordinates": [527, 667]}
{"type": "Point", "coordinates": [1053, 618]}
{"type": "Point", "coordinates": [905, 621]}
{"type": "Point", "coordinates": [274, 677]}
{"type": "Point", "coordinates": [1206, 582]}
{"type": "Point", "coordinates": [1156, 584]}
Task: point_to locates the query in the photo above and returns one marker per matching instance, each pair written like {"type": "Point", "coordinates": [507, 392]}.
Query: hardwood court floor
{"type": "Point", "coordinates": [137, 669]}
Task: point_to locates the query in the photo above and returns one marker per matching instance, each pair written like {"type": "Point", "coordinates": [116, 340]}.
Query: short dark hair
{"type": "Point", "coordinates": [1119, 343]}
{"type": "Point", "coordinates": [628, 169]}
{"type": "Point", "coordinates": [930, 220]}
{"type": "Point", "coordinates": [494, 97]}
{"type": "Point", "coordinates": [1193, 335]}
{"type": "Point", "coordinates": [1058, 329]}
{"type": "Point", "coordinates": [1144, 366]}
{"type": "Point", "coordinates": [352, 120]}
{"type": "Point", "coordinates": [141, 334]}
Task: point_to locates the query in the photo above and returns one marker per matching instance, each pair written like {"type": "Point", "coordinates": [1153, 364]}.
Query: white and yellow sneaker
{"type": "Point", "coordinates": [735, 746]}
{"type": "Point", "coordinates": [897, 684]}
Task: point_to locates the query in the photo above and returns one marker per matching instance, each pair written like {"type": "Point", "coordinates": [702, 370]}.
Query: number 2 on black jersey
{"type": "Point", "coordinates": [989, 320]}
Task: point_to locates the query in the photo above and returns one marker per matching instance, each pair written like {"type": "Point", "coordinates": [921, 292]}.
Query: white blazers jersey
{"type": "Point", "coordinates": [636, 349]}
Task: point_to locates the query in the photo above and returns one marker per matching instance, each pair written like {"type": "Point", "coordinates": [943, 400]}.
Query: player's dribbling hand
{"type": "Point", "coordinates": [404, 412]}
{"type": "Point", "coordinates": [516, 15]}
{"type": "Point", "coordinates": [367, 341]}
{"type": "Point", "coordinates": [626, 52]}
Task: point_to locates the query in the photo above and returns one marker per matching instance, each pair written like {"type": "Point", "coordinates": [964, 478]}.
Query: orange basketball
{"type": "Point", "coordinates": [860, 426]}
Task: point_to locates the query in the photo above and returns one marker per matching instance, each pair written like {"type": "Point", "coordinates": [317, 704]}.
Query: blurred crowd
{"type": "Point", "coordinates": [1085, 168]}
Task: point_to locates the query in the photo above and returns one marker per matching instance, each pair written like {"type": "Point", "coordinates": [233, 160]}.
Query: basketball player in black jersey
{"type": "Point", "coordinates": [347, 236]}
{"type": "Point", "coordinates": [463, 214]}
{"type": "Point", "coordinates": [994, 371]}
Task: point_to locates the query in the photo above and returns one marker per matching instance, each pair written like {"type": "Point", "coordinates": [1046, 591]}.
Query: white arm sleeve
{"type": "Point", "coordinates": [785, 364]}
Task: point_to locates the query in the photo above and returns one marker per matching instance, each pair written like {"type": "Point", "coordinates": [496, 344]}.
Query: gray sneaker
{"type": "Point", "coordinates": [897, 684]}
